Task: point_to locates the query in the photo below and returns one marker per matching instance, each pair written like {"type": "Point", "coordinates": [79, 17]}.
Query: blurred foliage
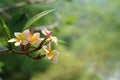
{"type": "Point", "coordinates": [91, 30]}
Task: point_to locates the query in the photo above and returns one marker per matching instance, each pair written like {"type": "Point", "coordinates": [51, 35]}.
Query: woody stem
{"type": "Point", "coordinates": [37, 57]}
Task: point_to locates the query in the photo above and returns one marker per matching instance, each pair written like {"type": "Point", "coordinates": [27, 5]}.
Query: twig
{"type": "Point", "coordinates": [37, 57]}
{"type": "Point", "coordinates": [21, 4]}
{"type": "Point", "coordinates": [17, 5]}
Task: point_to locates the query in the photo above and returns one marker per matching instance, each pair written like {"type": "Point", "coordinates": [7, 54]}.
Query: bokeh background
{"type": "Point", "coordinates": [90, 29]}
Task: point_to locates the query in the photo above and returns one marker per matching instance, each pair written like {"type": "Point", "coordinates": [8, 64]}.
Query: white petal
{"type": "Point", "coordinates": [49, 46]}
{"type": "Point", "coordinates": [37, 41]}
{"type": "Point", "coordinates": [54, 61]}
{"type": "Point", "coordinates": [45, 31]}
{"type": "Point", "coordinates": [26, 31]}
{"type": "Point", "coordinates": [54, 39]}
{"type": "Point", "coordinates": [45, 49]}
{"type": "Point", "coordinates": [17, 43]}
{"type": "Point", "coordinates": [25, 42]}
{"type": "Point", "coordinates": [36, 35]}
{"type": "Point", "coordinates": [56, 53]}
{"type": "Point", "coordinates": [17, 34]}
{"type": "Point", "coordinates": [41, 39]}
{"type": "Point", "coordinates": [27, 34]}
{"type": "Point", "coordinates": [12, 40]}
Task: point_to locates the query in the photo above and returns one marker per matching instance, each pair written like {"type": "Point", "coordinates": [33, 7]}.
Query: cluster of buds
{"type": "Point", "coordinates": [27, 38]}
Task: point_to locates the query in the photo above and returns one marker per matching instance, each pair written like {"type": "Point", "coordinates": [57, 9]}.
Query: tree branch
{"type": "Point", "coordinates": [21, 4]}
{"type": "Point", "coordinates": [37, 57]}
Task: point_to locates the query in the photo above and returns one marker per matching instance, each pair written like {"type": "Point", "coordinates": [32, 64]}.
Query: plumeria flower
{"type": "Point", "coordinates": [52, 38]}
{"type": "Point", "coordinates": [20, 39]}
{"type": "Point", "coordinates": [32, 39]}
{"type": "Point", "coordinates": [51, 54]}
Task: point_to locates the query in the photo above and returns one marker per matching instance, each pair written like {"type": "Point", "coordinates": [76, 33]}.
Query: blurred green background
{"type": "Point", "coordinates": [90, 28]}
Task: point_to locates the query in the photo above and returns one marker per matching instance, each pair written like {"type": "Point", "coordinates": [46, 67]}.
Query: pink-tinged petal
{"type": "Point", "coordinates": [54, 61]}
{"type": "Point", "coordinates": [36, 36]}
{"type": "Point", "coordinates": [49, 57]}
{"type": "Point", "coordinates": [26, 31]}
{"type": "Point", "coordinates": [45, 49]}
{"type": "Point", "coordinates": [27, 34]}
{"type": "Point", "coordinates": [56, 53]}
{"type": "Point", "coordinates": [25, 42]}
{"type": "Point", "coordinates": [54, 39]}
{"type": "Point", "coordinates": [17, 43]}
{"type": "Point", "coordinates": [41, 39]}
{"type": "Point", "coordinates": [12, 40]}
{"type": "Point", "coordinates": [37, 41]}
{"type": "Point", "coordinates": [17, 34]}
{"type": "Point", "coordinates": [45, 31]}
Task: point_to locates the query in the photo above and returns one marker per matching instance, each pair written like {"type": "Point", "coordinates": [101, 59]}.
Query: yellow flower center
{"type": "Point", "coordinates": [20, 38]}
{"type": "Point", "coordinates": [51, 55]}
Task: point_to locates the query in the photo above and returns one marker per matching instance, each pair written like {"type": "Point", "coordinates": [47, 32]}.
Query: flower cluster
{"type": "Point", "coordinates": [27, 38]}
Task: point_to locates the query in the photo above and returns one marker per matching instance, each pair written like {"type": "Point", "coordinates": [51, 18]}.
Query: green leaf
{"type": "Point", "coordinates": [1, 64]}
{"type": "Point", "coordinates": [36, 18]}
{"type": "Point", "coordinates": [62, 42]}
{"type": "Point", "coordinates": [5, 28]}
{"type": "Point", "coordinates": [3, 41]}
{"type": "Point", "coordinates": [3, 50]}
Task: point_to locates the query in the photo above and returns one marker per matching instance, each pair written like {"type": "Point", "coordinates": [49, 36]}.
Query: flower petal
{"type": "Point", "coordinates": [54, 61]}
{"type": "Point", "coordinates": [24, 42]}
{"type": "Point", "coordinates": [45, 31]}
{"type": "Point", "coordinates": [49, 46]}
{"type": "Point", "coordinates": [41, 39]}
{"type": "Point", "coordinates": [54, 39]}
{"type": "Point", "coordinates": [27, 34]}
{"type": "Point", "coordinates": [45, 48]}
{"type": "Point", "coordinates": [56, 53]}
{"type": "Point", "coordinates": [36, 36]}
{"type": "Point", "coordinates": [12, 40]}
{"type": "Point", "coordinates": [26, 31]}
{"type": "Point", "coordinates": [17, 34]}
{"type": "Point", "coordinates": [17, 43]}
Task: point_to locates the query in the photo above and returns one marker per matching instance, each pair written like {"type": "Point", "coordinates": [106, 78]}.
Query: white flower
{"type": "Point", "coordinates": [51, 54]}
{"type": "Point", "coordinates": [52, 38]}
{"type": "Point", "coordinates": [32, 39]}
{"type": "Point", "coordinates": [20, 39]}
